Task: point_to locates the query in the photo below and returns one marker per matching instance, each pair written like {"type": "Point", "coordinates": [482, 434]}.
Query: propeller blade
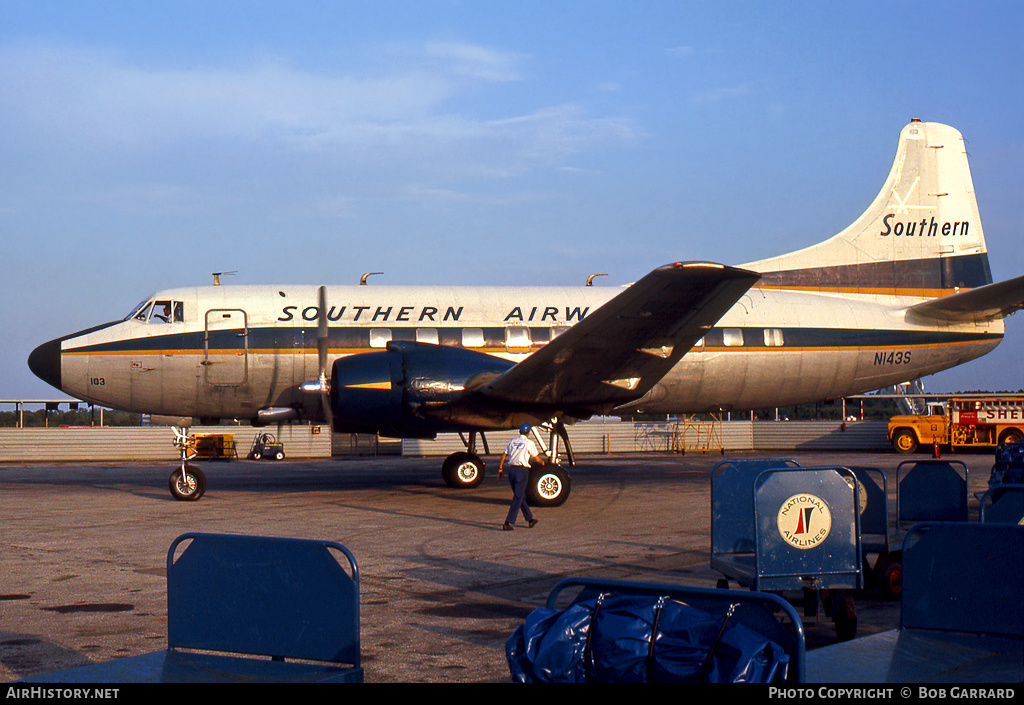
{"type": "Point", "coordinates": [323, 350]}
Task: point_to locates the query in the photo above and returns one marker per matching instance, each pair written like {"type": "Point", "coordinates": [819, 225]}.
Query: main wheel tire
{"type": "Point", "coordinates": [549, 486]}
{"type": "Point", "coordinates": [463, 470]}
{"type": "Point", "coordinates": [904, 441]}
{"type": "Point", "coordinates": [187, 486]}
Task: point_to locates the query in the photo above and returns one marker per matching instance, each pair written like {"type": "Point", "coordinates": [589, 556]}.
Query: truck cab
{"type": "Point", "coordinates": [908, 432]}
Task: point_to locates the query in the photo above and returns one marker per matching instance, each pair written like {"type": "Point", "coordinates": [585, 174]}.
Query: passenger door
{"type": "Point", "coordinates": [226, 347]}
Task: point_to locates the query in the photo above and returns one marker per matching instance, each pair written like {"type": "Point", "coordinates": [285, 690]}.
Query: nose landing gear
{"type": "Point", "coordinates": [187, 483]}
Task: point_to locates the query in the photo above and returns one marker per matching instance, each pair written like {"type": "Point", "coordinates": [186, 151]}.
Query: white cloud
{"type": "Point", "coordinates": [724, 93]}
{"type": "Point", "coordinates": [476, 61]}
{"type": "Point", "coordinates": [88, 101]}
{"type": "Point", "coordinates": [681, 52]}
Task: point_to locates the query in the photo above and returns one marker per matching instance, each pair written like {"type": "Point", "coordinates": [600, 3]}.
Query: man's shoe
{"type": "Point", "coordinates": [532, 523]}
{"type": "Point", "coordinates": [507, 527]}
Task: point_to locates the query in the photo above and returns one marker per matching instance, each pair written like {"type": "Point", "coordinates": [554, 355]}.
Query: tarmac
{"type": "Point", "coordinates": [442, 587]}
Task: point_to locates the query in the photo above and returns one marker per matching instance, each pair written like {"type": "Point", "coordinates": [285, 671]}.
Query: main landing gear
{"type": "Point", "coordinates": [550, 483]}
{"type": "Point", "coordinates": [187, 483]}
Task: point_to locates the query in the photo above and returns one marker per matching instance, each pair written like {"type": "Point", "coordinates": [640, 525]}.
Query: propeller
{"type": "Point", "coordinates": [322, 386]}
{"type": "Point", "coordinates": [322, 343]}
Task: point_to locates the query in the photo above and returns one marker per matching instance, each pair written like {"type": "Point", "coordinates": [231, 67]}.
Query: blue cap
{"type": "Point", "coordinates": [524, 428]}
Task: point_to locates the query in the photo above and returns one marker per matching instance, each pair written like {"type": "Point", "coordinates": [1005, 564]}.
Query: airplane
{"type": "Point", "coordinates": [903, 292]}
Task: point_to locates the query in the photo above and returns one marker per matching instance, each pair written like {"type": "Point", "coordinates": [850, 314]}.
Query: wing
{"type": "Point", "coordinates": [983, 303]}
{"type": "Point", "coordinates": [621, 350]}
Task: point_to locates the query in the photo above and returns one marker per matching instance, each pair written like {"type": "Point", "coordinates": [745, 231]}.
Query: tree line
{"type": "Point", "coordinates": [41, 418]}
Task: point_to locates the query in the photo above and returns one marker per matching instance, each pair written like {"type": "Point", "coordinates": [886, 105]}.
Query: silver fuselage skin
{"type": "Point", "coordinates": [241, 349]}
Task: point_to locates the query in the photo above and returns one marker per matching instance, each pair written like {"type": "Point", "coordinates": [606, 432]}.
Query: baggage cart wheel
{"type": "Point", "coordinates": [890, 580]}
{"type": "Point", "coordinates": [844, 614]}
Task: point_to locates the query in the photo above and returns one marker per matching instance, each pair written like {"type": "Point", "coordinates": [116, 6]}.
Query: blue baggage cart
{"type": "Point", "coordinates": [799, 530]}
{"type": "Point", "coordinates": [961, 616]}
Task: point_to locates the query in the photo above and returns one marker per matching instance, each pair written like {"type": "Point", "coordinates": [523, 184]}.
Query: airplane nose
{"type": "Point", "coordinates": [44, 362]}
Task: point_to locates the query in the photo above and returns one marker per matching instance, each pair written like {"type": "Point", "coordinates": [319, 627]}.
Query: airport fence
{"type": "Point", "coordinates": [155, 443]}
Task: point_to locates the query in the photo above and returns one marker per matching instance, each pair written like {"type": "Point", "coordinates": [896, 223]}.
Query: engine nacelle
{"type": "Point", "coordinates": [406, 389]}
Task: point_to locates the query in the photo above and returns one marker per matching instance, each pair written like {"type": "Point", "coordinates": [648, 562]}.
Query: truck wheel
{"type": "Point", "coordinates": [1011, 435]}
{"type": "Point", "coordinates": [904, 441]}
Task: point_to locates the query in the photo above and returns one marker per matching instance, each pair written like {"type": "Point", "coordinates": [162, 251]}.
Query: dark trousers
{"type": "Point", "coordinates": [518, 477]}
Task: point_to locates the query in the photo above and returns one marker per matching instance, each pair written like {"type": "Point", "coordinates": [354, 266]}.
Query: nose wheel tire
{"type": "Point", "coordinates": [188, 483]}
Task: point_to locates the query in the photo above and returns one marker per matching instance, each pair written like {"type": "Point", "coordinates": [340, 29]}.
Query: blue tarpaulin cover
{"type": "Point", "coordinates": [1009, 466]}
{"type": "Point", "coordinates": [608, 639]}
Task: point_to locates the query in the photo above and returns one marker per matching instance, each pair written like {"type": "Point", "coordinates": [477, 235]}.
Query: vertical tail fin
{"type": "Point", "coordinates": [921, 236]}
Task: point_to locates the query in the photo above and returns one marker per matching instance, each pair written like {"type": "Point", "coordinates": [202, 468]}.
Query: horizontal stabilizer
{"type": "Point", "coordinates": [621, 350]}
{"type": "Point", "coordinates": [984, 303]}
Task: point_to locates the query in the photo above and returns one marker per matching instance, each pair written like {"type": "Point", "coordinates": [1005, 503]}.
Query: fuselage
{"type": "Point", "coordinates": [230, 351]}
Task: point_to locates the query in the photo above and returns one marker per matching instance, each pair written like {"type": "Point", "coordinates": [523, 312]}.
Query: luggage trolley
{"type": "Point", "coordinates": [792, 528]}
{"type": "Point", "coordinates": [930, 490]}
{"type": "Point", "coordinates": [961, 613]}
{"type": "Point", "coordinates": [732, 509]}
{"type": "Point", "coordinates": [885, 572]}
{"type": "Point", "coordinates": [1003, 502]}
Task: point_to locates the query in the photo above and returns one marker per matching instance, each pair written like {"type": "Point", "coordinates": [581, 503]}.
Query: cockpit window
{"type": "Point", "coordinates": [160, 311]}
{"type": "Point", "coordinates": [140, 312]}
{"type": "Point", "coordinates": [167, 312]}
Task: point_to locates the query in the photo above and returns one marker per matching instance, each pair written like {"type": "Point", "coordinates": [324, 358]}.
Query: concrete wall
{"type": "Point", "coordinates": [155, 443]}
{"type": "Point", "coordinates": [612, 436]}
{"type": "Point", "coordinates": [150, 443]}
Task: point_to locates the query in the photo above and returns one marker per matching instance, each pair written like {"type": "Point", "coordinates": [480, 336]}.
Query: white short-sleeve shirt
{"type": "Point", "coordinates": [519, 451]}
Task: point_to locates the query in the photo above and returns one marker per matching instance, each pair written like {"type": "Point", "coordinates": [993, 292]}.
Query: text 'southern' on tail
{"type": "Point", "coordinates": [921, 237]}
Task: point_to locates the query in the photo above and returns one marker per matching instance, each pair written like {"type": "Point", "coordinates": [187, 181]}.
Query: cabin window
{"type": "Point", "coordinates": [557, 331]}
{"type": "Point", "coordinates": [473, 337]}
{"type": "Point", "coordinates": [517, 339]}
{"type": "Point", "coordinates": [732, 337]}
{"type": "Point", "coordinates": [380, 337]}
{"type": "Point", "coordinates": [773, 337]}
{"type": "Point", "coordinates": [427, 335]}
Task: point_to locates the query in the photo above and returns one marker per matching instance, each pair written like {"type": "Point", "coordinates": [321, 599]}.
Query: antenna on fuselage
{"type": "Point", "coordinates": [590, 279]}
{"type": "Point", "coordinates": [362, 280]}
{"type": "Point", "coordinates": [217, 276]}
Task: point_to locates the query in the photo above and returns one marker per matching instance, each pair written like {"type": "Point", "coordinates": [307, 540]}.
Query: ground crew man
{"type": "Point", "coordinates": [519, 452]}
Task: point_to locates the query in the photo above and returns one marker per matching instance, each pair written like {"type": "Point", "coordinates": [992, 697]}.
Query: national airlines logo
{"type": "Point", "coordinates": [804, 521]}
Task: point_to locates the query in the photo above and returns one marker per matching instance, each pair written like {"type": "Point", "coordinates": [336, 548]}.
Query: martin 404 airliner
{"type": "Point", "coordinates": [904, 291]}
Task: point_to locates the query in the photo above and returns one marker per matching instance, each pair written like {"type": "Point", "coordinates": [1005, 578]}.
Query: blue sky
{"type": "Point", "coordinates": [145, 145]}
